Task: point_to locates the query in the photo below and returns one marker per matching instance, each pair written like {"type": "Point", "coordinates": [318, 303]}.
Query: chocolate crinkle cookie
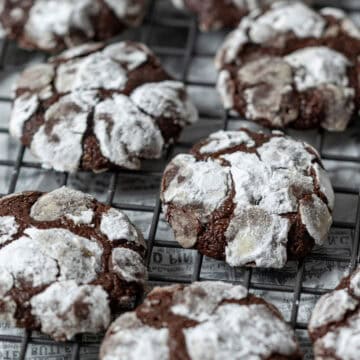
{"type": "Point", "coordinates": [291, 66]}
{"type": "Point", "coordinates": [205, 320]}
{"type": "Point", "coordinates": [335, 322]}
{"type": "Point", "coordinates": [98, 107]}
{"type": "Point", "coordinates": [217, 14]}
{"type": "Point", "coordinates": [249, 198]}
{"type": "Point", "coordinates": [67, 262]}
{"type": "Point", "coordinates": [53, 25]}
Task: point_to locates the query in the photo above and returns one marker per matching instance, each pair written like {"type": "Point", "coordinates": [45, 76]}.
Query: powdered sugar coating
{"type": "Point", "coordinates": [78, 51]}
{"type": "Point", "coordinates": [127, 10]}
{"type": "Point", "coordinates": [332, 307]}
{"type": "Point", "coordinates": [255, 187]}
{"type": "Point", "coordinates": [52, 25]}
{"type": "Point", "coordinates": [344, 340]}
{"type": "Point", "coordinates": [250, 332]}
{"type": "Point", "coordinates": [319, 51]}
{"type": "Point", "coordinates": [61, 147]}
{"type": "Point", "coordinates": [282, 152]}
{"type": "Point", "coordinates": [57, 309]}
{"type": "Point", "coordinates": [6, 283]}
{"type": "Point", "coordinates": [282, 17]}
{"type": "Point", "coordinates": [116, 226]}
{"type": "Point", "coordinates": [33, 267]}
{"type": "Point", "coordinates": [294, 17]}
{"type": "Point", "coordinates": [200, 321]}
{"type": "Point", "coordinates": [258, 237]}
{"type": "Point", "coordinates": [314, 66]}
{"type": "Point", "coordinates": [346, 23]}
{"type": "Point", "coordinates": [62, 202]}
{"type": "Point", "coordinates": [166, 99]}
{"type": "Point", "coordinates": [205, 183]}
{"type": "Point", "coordinates": [8, 228]}
{"type": "Point", "coordinates": [355, 284]}
{"type": "Point", "coordinates": [199, 300]}
{"type": "Point", "coordinates": [8, 307]}
{"type": "Point", "coordinates": [265, 101]}
{"type": "Point", "coordinates": [128, 56]}
{"type": "Point", "coordinates": [129, 338]}
{"type": "Point", "coordinates": [131, 134]}
{"type": "Point", "coordinates": [49, 19]}
{"type": "Point", "coordinates": [335, 323]}
{"type": "Point", "coordinates": [244, 4]}
{"type": "Point", "coordinates": [99, 107]}
{"type": "Point", "coordinates": [37, 79]}
{"type": "Point", "coordinates": [56, 264]}
{"type": "Point", "coordinates": [117, 59]}
{"type": "Point", "coordinates": [84, 217]}
{"type": "Point", "coordinates": [226, 89]}
{"type": "Point", "coordinates": [128, 264]}
{"type": "Point", "coordinates": [217, 14]}
{"type": "Point", "coordinates": [24, 107]}
{"type": "Point", "coordinates": [105, 69]}
{"type": "Point", "coordinates": [316, 217]}
{"type": "Point", "coordinates": [325, 185]}
{"type": "Point", "coordinates": [42, 256]}
{"type": "Point", "coordinates": [225, 139]}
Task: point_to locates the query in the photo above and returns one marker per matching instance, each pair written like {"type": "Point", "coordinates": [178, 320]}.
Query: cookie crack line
{"type": "Point", "coordinates": [248, 198]}
{"type": "Point", "coordinates": [73, 115]}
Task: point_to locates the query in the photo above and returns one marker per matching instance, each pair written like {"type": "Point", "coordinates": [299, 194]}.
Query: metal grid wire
{"type": "Point", "coordinates": [187, 26]}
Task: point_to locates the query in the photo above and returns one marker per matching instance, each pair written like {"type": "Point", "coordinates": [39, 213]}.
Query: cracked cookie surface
{"type": "Point", "coordinates": [53, 25]}
{"type": "Point", "coordinates": [249, 198]}
{"type": "Point", "coordinates": [291, 66]}
{"type": "Point", "coordinates": [205, 320]}
{"type": "Point", "coordinates": [98, 107]}
{"type": "Point", "coordinates": [67, 262]}
{"type": "Point", "coordinates": [217, 14]}
{"type": "Point", "coordinates": [334, 326]}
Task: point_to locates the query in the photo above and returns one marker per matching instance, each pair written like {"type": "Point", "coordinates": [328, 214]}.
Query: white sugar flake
{"type": "Point", "coordinates": [332, 307]}
{"type": "Point", "coordinates": [57, 309]}
{"type": "Point", "coordinates": [125, 133]}
{"type": "Point", "coordinates": [8, 228]}
{"type": "Point", "coordinates": [198, 301]}
{"type": "Point", "coordinates": [337, 316]}
{"type": "Point", "coordinates": [242, 331]}
{"type": "Point", "coordinates": [116, 226]}
{"type": "Point", "coordinates": [130, 339]}
{"type": "Point", "coordinates": [128, 264]}
{"type": "Point", "coordinates": [63, 202]}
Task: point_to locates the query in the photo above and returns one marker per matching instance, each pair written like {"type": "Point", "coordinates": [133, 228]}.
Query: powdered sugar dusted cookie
{"type": "Point", "coordinates": [192, 322]}
{"type": "Point", "coordinates": [52, 25]}
{"type": "Point", "coordinates": [249, 198]}
{"type": "Point", "coordinates": [96, 107]}
{"type": "Point", "coordinates": [291, 66]}
{"type": "Point", "coordinates": [67, 262]}
{"type": "Point", "coordinates": [335, 323]}
{"type": "Point", "coordinates": [216, 14]}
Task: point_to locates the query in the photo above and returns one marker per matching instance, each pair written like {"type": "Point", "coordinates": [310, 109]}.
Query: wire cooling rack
{"type": "Point", "coordinates": [162, 25]}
